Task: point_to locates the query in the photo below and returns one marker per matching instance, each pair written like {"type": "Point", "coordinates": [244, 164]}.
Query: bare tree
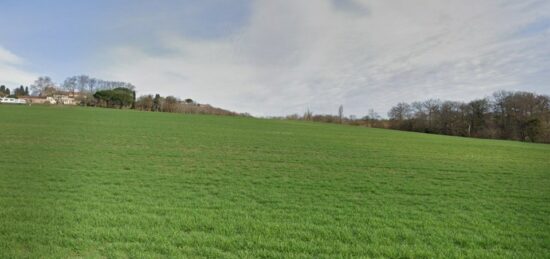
{"type": "Point", "coordinates": [432, 107]}
{"type": "Point", "coordinates": [82, 83]}
{"type": "Point", "coordinates": [42, 86]}
{"type": "Point", "coordinates": [508, 115]}
{"type": "Point", "coordinates": [92, 85]}
{"type": "Point", "coordinates": [450, 119]}
{"type": "Point", "coordinates": [478, 111]}
{"type": "Point", "coordinates": [400, 112]}
{"type": "Point", "coordinates": [69, 84]}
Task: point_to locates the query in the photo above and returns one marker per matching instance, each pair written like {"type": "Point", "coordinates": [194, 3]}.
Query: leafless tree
{"type": "Point", "coordinates": [82, 83]}
{"type": "Point", "coordinates": [92, 85]}
{"type": "Point", "coordinates": [508, 115]}
{"type": "Point", "coordinates": [432, 107]}
{"type": "Point", "coordinates": [400, 112]}
{"type": "Point", "coordinates": [42, 86]}
{"type": "Point", "coordinates": [69, 84]}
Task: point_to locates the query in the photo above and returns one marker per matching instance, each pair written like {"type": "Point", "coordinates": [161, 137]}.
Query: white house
{"type": "Point", "coordinates": [64, 99]}
{"type": "Point", "coordinates": [12, 100]}
{"type": "Point", "coordinates": [51, 100]}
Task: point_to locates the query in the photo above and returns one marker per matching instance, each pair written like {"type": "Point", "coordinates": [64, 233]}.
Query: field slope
{"type": "Point", "coordinates": [86, 182]}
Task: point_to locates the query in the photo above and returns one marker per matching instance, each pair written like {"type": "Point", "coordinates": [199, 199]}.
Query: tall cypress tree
{"type": "Point", "coordinates": [133, 100]}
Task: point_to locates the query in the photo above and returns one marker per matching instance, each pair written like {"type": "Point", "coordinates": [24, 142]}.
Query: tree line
{"type": "Point", "coordinates": [126, 98]}
{"type": "Point", "coordinates": [173, 104]}
{"type": "Point", "coordinates": [89, 91]}
{"type": "Point", "coordinates": [17, 92]}
{"type": "Point", "coordinates": [85, 87]}
{"type": "Point", "coordinates": [522, 116]}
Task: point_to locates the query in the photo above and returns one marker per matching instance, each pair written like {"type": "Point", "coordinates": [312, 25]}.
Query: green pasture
{"type": "Point", "coordinates": [107, 183]}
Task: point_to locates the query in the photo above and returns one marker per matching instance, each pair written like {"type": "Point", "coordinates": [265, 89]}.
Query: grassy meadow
{"type": "Point", "coordinates": [90, 182]}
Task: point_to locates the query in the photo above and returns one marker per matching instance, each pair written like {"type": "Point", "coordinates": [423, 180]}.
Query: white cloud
{"type": "Point", "coordinates": [10, 72]}
{"type": "Point", "coordinates": [295, 54]}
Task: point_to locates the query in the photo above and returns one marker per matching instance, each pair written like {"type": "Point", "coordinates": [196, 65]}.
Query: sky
{"type": "Point", "coordinates": [278, 57]}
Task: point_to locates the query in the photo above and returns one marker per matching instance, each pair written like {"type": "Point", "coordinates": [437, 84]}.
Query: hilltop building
{"type": "Point", "coordinates": [55, 99]}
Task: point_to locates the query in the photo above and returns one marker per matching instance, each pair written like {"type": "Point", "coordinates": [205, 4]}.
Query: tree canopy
{"type": "Point", "coordinates": [119, 97]}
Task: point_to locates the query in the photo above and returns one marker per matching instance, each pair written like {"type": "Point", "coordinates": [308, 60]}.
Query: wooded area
{"type": "Point", "coordinates": [520, 116]}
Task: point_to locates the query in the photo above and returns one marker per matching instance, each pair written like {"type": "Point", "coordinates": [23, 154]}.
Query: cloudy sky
{"type": "Point", "coordinates": [275, 57]}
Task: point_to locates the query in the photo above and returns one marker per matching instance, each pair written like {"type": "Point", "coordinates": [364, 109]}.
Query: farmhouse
{"type": "Point", "coordinates": [64, 99]}
{"type": "Point", "coordinates": [39, 100]}
{"type": "Point", "coordinates": [56, 99]}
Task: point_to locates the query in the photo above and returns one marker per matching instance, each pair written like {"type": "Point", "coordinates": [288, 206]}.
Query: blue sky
{"type": "Point", "coordinates": [61, 37]}
{"type": "Point", "coordinates": [285, 56]}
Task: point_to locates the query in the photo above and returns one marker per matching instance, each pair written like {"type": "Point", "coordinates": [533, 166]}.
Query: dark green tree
{"type": "Point", "coordinates": [156, 103]}
{"type": "Point", "coordinates": [133, 100]}
{"type": "Point", "coordinates": [118, 97]}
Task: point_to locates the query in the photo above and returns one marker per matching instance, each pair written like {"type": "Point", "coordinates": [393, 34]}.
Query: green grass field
{"type": "Point", "coordinates": [87, 182]}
